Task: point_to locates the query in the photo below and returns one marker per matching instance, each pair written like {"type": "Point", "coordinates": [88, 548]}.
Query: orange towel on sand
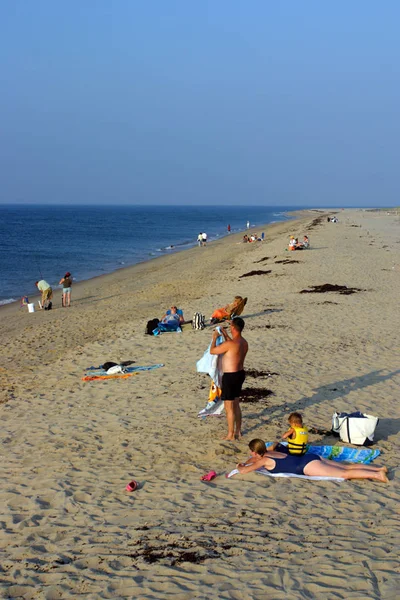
{"type": "Point", "coordinates": [94, 377]}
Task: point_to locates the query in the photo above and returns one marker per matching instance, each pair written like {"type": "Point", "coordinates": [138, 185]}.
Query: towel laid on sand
{"type": "Point", "coordinates": [119, 376]}
{"type": "Point", "coordinates": [266, 472]}
{"type": "Point", "coordinates": [99, 373]}
{"type": "Point", "coordinates": [363, 456]}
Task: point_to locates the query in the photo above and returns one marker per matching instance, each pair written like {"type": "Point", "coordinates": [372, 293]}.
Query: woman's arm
{"type": "Point", "coordinates": [62, 281]}
{"type": "Point", "coordinates": [261, 462]}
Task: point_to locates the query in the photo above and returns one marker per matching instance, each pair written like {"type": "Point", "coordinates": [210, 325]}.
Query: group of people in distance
{"type": "Point", "coordinates": [294, 243]}
{"type": "Point", "coordinates": [253, 238]}
{"type": "Point", "coordinates": [47, 291]}
{"type": "Point", "coordinates": [202, 239]}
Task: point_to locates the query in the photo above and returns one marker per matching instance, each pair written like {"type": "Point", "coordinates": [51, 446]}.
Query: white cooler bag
{"type": "Point", "coordinates": [355, 428]}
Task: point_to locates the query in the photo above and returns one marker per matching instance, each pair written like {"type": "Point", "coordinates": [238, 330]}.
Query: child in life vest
{"type": "Point", "coordinates": [296, 436]}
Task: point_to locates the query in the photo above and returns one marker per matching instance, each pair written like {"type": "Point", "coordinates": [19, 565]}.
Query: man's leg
{"type": "Point", "coordinates": [230, 417]}
{"type": "Point", "coordinates": [238, 418]}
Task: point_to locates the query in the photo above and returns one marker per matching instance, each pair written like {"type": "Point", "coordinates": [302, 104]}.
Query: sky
{"type": "Point", "coordinates": [215, 102]}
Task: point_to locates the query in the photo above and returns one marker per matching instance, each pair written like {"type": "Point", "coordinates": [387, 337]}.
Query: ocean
{"type": "Point", "coordinates": [46, 241]}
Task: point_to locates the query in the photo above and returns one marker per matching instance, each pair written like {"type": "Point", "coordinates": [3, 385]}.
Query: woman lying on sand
{"type": "Point", "coordinates": [307, 464]}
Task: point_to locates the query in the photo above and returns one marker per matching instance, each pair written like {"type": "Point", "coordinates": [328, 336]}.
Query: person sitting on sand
{"type": "Point", "coordinates": [306, 242]}
{"type": "Point", "coordinates": [172, 317]}
{"type": "Point", "coordinates": [235, 308]}
{"type": "Point", "coordinates": [309, 464]}
{"type": "Point", "coordinates": [297, 436]}
{"type": "Point", "coordinates": [292, 243]}
{"type": "Point", "coordinates": [245, 238]}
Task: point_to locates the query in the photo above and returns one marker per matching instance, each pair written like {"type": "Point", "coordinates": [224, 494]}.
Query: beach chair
{"type": "Point", "coordinates": [228, 312]}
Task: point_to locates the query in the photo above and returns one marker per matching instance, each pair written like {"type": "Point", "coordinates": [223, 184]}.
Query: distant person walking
{"type": "Point", "coordinates": [66, 282]}
{"type": "Point", "coordinates": [47, 294]}
{"type": "Point", "coordinates": [248, 224]}
{"type": "Point", "coordinates": [229, 228]}
{"type": "Point", "coordinates": [200, 239]}
{"type": "Point", "coordinates": [233, 351]}
{"type": "Point", "coordinates": [204, 236]}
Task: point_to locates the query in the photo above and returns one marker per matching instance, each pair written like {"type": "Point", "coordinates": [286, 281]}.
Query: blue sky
{"type": "Point", "coordinates": [183, 102]}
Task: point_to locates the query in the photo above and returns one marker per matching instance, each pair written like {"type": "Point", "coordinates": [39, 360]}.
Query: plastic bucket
{"type": "Point", "coordinates": [31, 307]}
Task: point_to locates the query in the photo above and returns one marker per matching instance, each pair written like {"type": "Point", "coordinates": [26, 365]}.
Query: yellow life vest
{"type": "Point", "coordinates": [298, 444]}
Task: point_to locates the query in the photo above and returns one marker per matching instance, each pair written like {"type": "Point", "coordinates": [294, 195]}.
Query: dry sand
{"type": "Point", "coordinates": [68, 527]}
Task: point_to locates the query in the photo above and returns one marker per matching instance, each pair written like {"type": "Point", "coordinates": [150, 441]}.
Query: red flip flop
{"type": "Point", "coordinates": [132, 485]}
{"type": "Point", "coordinates": [208, 476]}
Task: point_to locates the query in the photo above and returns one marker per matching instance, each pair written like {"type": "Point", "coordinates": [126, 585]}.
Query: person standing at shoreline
{"type": "Point", "coordinates": [200, 239]}
{"type": "Point", "coordinates": [248, 225]}
{"type": "Point", "coordinates": [233, 350]}
{"type": "Point", "coordinates": [204, 236]}
{"type": "Point", "coordinates": [66, 282]}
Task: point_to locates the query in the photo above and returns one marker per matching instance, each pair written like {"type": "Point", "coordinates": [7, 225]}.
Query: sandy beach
{"type": "Point", "coordinates": [69, 447]}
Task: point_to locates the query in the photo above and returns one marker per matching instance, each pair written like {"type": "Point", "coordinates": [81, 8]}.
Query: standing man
{"type": "Point", "coordinates": [204, 235]}
{"type": "Point", "coordinates": [248, 224]}
{"type": "Point", "coordinates": [47, 293]}
{"type": "Point", "coordinates": [200, 239]}
{"type": "Point", "coordinates": [234, 351]}
{"type": "Point", "coordinates": [229, 228]}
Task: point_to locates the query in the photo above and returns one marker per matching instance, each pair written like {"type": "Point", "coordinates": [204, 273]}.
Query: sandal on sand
{"type": "Point", "coordinates": [208, 476]}
{"type": "Point", "coordinates": [131, 487]}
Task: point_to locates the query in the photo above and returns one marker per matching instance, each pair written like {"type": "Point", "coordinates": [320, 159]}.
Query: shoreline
{"type": "Point", "coordinates": [293, 216]}
{"type": "Point", "coordinates": [137, 256]}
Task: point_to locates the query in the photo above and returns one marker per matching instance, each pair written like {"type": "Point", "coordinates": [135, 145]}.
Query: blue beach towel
{"type": "Point", "coordinates": [98, 371]}
{"type": "Point", "coordinates": [363, 456]}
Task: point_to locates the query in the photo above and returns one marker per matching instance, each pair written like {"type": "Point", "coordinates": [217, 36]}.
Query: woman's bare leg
{"type": "Point", "coordinates": [352, 466]}
{"type": "Point", "coordinates": [69, 299]}
{"type": "Point", "coordinates": [318, 468]}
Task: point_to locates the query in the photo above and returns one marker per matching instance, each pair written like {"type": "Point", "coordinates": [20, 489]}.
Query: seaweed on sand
{"type": "Point", "coordinates": [252, 395]}
{"type": "Point", "coordinates": [251, 273]}
{"type": "Point", "coordinates": [255, 373]}
{"type": "Point", "coordinates": [330, 287]}
{"type": "Point", "coordinates": [286, 261]}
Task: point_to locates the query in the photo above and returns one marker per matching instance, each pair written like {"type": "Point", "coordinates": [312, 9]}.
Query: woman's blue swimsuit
{"type": "Point", "coordinates": [293, 464]}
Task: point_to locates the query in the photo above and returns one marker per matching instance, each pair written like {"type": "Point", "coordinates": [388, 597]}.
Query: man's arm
{"type": "Point", "coordinates": [225, 334]}
{"type": "Point", "coordinates": [222, 348]}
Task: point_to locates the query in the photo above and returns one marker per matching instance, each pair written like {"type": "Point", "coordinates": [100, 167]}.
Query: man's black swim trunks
{"type": "Point", "coordinates": [232, 385]}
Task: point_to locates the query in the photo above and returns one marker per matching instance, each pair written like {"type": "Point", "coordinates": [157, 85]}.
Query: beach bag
{"type": "Point", "coordinates": [151, 326]}
{"type": "Point", "coordinates": [354, 428]}
{"type": "Point", "coordinates": [198, 321]}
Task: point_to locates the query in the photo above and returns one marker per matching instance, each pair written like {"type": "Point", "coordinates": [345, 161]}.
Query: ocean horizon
{"type": "Point", "coordinates": [45, 241]}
